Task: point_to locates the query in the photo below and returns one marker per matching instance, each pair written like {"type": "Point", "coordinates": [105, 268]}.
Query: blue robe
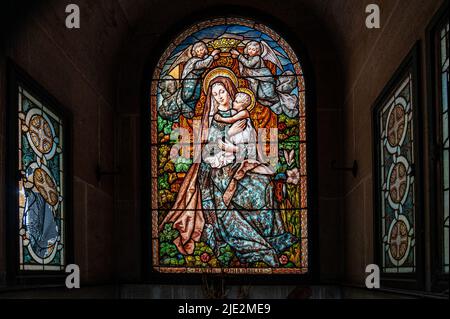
{"type": "Point", "coordinates": [250, 224]}
{"type": "Point", "coordinates": [40, 223]}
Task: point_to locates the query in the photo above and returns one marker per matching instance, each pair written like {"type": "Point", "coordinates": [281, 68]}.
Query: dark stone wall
{"type": "Point", "coordinates": [371, 60]}
{"type": "Point", "coordinates": [76, 67]}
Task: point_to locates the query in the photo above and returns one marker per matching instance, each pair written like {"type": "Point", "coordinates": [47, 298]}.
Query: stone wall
{"type": "Point", "coordinates": [371, 59]}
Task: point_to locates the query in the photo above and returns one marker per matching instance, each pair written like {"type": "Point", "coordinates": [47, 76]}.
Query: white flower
{"type": "Point", "coordinates": [293, 176]}
{"type": "Point", "coordinates": [289, 157]}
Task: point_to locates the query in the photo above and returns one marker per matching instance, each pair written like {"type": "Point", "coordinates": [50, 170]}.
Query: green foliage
{"type": "Point", "coordinates": [289, 127]}
{"type": "Point", "coordinates": [293, 254]}
{"type": "Point", "coordinates": [163, 182]}
{"type": "Point", "coordinates": [164, 126]}
{"type": "Point", "coordinates": [290, 143]}
{"type": "Point", "coordinates": [168, 234]}
{"type": "Point", "coordinates": [182, 164]}
{"type": "Point", "coordinates": [289, 265]}
{"type": "Point", "coordinates": [168, 249]}
{"type": "Point", "coordinates": [172, 261]}
{"type": "Point", "coordinates": [169, 254]}
{"type": "Point", "coordinates": [293, 194]}
{"type": "Point", "coordinates": [291, 219]}
{"type": "Point", "coordinates": [226, 254]}
{"type": "Point", "coordinates": [201, 248]}
{"type": "Point", "coordinates": [203, 256]}
{"type": "Point", "coordinates": [292, 122]}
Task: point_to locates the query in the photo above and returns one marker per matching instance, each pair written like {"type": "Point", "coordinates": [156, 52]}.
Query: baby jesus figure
{"type": "Point", "coordinates": [242, 144]}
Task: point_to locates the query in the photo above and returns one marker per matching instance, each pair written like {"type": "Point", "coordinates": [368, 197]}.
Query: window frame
{"type": "Point", "coordinates": [153, 276]}
{"type": "Point", "coordinates": [439, 279]}
{"type": "Point", "coordinates": [17, 77]}
{"type": "Point", "coordinates": [410, 64]}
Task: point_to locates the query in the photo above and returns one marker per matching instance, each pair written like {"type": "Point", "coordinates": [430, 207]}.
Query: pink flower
{"type": "Point", "coordinates": [293, 176]}
{"type": "Point", "coordinates": [205, 257]}
{"type": "Point", "coordinates": [283, 259]}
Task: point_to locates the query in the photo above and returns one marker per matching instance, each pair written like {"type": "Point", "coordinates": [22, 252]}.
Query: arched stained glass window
{"type": "Point", "coordinates": [228, 153]}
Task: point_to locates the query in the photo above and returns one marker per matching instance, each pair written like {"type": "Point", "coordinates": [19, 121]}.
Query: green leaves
{"type": "Point", "coordinates": [182, 164]}
{"type": "Point", "coordinates": [173, 261]}
{"type": "Point", "coordinates": [290, 143]}
{"type": "Point", "coordinates": [170, 256]}
{"type": "Point", "coordinates": [203, 256]}
{"type": "Point", "coordinates": [164, 126]}
{"type": "Point", "coordinates": [168, 234]}
{"type": "Point", "coordinates": [163, 182]}
{"type": "Point", "coordinates": [294, 256]}
{"type": "Point", "coordinates": [225, 255]}
{"type": "Point", "coordinates": [168, 249]}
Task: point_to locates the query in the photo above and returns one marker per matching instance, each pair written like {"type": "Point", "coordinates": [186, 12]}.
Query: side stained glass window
{"type": "Point", "coordinates": [396, 187]}
{"type": "Point", "coordinates": [228, 153]}
{"type": "Point", "coordinates": [41, 218]}
{"type": "Point", "coordinates": [443, 142]}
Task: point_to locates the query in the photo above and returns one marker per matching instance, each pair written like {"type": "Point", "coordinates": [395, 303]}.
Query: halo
{"type": "Point", "coordinates": [252, 97]}
{"type": "Point", "coordinates": [214, 73]}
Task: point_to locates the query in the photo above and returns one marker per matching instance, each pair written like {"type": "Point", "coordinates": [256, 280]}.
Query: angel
{"type": "Point", "coordinates": [271, 92]}
{"type": "Point", "coordinates": [169, 108]}
{"type": "Point", "coordinates": [197, 60]}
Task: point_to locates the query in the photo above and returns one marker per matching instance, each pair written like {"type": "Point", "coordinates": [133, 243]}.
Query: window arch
{"type": "Point", "coordinates": [229, 189]}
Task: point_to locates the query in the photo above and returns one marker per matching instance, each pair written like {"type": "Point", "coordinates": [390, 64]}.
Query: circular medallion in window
{"type": "Point", "coordinates": [41, 134]}
{"type": "Point", "coordinates": [399, 240]}
{"type": "Point", "coordinates": [396, 126]}
{"type": "Point", "coordinates": [398, 182]}
{"type": "Point", "coordinates": [46, 186]}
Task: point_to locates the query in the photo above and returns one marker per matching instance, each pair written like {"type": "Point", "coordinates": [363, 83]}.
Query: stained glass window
{"type": "Point", "coordinates": [443, 138]}
{"type": "Point", "coordinates": [41, 218]}
{"type": "Point", "coordinates": [228, 153]}
{"type": "Point", "coordinates": [396, 178]}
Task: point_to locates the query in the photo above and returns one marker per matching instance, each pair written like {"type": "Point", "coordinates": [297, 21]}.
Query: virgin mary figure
{"type": "Point", "coordinates": [229, 205]}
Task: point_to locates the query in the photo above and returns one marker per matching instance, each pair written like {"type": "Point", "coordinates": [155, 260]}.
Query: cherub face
{"type": "Point", "coordinates": [221, 95]}
{"type": "Point", "coordinates": [252, 50]}
{"type": "Point", "coordinates": [168, 87]}
{"type": "Point", "coordinates": [201, 51]}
